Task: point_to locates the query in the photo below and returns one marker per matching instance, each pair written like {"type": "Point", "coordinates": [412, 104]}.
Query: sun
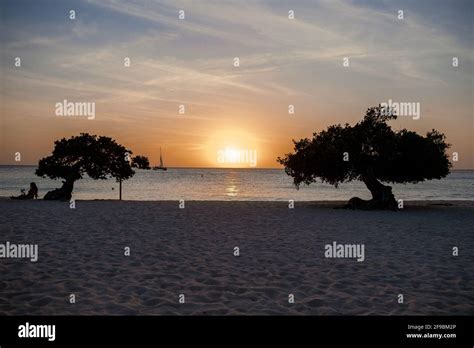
{"type": "Point", "coordinates": [232, 155]}
{"type": "Point", "coordinates": [232, 148]}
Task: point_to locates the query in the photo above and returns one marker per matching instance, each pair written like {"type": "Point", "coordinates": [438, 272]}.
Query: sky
{"type": "Point", "coordinates": [188, 64]}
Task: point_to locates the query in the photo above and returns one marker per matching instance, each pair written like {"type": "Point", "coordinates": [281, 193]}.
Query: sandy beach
{"type": "Point", "coordinates": [191, 251]}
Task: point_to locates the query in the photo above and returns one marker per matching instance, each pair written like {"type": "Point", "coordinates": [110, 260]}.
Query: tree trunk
{"type": "Point", "coordinates": [382, 197]}
{"type": "Point", "coordinates": [62, 194]}
{"type": "Point", "coordinates": [120, 195]}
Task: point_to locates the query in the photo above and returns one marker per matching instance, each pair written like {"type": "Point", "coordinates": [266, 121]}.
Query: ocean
{"type": "Point", "coordinates": [230, 185]}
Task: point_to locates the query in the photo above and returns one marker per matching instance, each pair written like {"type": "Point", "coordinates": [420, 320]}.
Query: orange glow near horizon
{"type": "Point", "coordinates": [228, 149]}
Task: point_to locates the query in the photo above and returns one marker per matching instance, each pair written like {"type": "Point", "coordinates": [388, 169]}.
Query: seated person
{"type": "Point", "coordinates": [32, 193]}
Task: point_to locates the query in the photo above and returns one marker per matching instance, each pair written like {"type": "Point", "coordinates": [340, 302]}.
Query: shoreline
{"type": "Point", "coordinates": [408, 205]}
{"type": "Point", "coordinates": [322, 202]}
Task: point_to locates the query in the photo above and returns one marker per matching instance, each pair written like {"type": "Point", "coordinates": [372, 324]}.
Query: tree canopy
{"type": "Point", "coordinates": [368, 151]}
{"type": "Point", "coordinates": [140, 162]}
{"type": "Point", "coordinates": [99, 157]}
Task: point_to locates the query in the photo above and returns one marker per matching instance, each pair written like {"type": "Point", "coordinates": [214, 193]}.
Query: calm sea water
{"type": "Point", "coordinates": [230, 184]}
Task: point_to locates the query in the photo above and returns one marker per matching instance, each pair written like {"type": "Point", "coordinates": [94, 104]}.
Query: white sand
{"type": "Point", "coordinates": [190, 251]}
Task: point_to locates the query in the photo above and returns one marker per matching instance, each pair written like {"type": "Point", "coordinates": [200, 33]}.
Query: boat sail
{"type": "Point", "coordinates": [161, 166]}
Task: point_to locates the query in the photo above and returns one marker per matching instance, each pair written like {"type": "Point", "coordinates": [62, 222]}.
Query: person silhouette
{"type": "Point", "coordinates": [32, 193]}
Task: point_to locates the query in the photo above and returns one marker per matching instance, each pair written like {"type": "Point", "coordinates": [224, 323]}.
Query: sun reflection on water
{"type": "Point", "coordinates": [231, 189]}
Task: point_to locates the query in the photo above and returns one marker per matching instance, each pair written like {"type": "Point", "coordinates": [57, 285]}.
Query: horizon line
{"type": "Point", "coordinates": [178, 167]}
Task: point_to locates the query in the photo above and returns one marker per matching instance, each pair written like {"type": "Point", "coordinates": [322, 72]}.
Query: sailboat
{"type": "Point", "coordinates": [161, 166]}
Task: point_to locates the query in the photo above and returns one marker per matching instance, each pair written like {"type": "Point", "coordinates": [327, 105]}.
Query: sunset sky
{"type": "Point", "coordinates": [190, 62]}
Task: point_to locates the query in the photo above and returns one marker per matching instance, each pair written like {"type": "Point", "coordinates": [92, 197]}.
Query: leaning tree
{"type": "Point", "coordinates": [99, 157]}
{"type": "Point", "coordinates": [371, 152]}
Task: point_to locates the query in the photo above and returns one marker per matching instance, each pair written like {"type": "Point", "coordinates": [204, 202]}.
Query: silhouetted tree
{"type": "Point", "coordinates": [371, 152]}
{"type": "Point", "coordinates": [140, 162]}
{"type": "Point", "coordinates": [97, 156]}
